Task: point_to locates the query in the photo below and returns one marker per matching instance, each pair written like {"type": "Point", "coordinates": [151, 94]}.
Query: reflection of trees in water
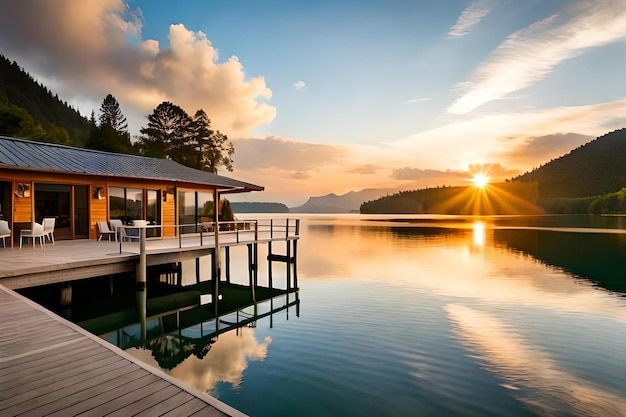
{"type": "Point", "coordinates": [429, 232]}
{"type": "Point", "coordinates": [598, 257]}
{"type": "Point", "coordinates": [169, 351]}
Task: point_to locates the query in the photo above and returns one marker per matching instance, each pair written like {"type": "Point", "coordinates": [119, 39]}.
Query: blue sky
{"type": "Point", "coordinates": [338, 96]}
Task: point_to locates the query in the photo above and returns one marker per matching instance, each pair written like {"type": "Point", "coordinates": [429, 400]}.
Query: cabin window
{"type": "Point", "coordinates": [153, 212]}
{"type": "Point", "coordinates": [194, 208]}
{"type": "Point", "coordinates": [126, 204]}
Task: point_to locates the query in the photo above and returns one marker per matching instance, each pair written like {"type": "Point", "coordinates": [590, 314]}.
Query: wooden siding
{"type": "Point", "coordinates": [98, 209]}
{"type": "Point", "coordinates": [168, 213]}
{"type": "Point", "coordinates": [23, 206]}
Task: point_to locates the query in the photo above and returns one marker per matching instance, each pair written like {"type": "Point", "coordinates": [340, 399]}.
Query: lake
{"type": "Point", "coordinates": [434, 316]}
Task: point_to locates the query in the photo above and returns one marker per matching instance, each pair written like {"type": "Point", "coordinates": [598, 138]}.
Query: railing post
{"type": "Point", "coordinates": [288, 264]}
{"type": "Point", "coordinates": [286, 228]}
{"type": "Point", "coordinates": [271, 228]}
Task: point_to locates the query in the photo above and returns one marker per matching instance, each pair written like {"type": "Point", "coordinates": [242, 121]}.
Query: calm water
{"type": "Point", "coordinates": [435, 316]}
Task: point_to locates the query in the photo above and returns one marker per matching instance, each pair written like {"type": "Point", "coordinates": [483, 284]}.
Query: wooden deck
{"type": "Point", "coordinates": [70, 260]}
{"type": "Point", "coordinates": [49, 366]}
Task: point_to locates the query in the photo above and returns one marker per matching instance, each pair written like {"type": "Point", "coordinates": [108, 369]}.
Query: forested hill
{"type": "Point", "coordinates": [42, 116]}
{"type": "Point", "coordinates": [595, 168]}
{"type": "Point", "coordinates": [503, 198]}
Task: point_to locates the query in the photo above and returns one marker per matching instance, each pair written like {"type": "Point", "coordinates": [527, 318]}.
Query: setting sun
{"type": "Point", "coordinates": [480, 180]}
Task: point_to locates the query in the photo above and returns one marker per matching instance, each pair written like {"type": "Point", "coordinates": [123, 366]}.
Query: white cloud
{"type": "Point", "coordinates": [416, 100]}
{"type": "Point", "coordinates": [226, 361]}
{"type": "Point", "coordinates": [299, 85]}
{"type": "Point", "coordinates": [469, 18]}
{"type": "Point", "coordinates": [89, 49]}
{"type": "Point", "coordinates": [497, 137]}
{"type": "Point", "coordinates": [529, 55]}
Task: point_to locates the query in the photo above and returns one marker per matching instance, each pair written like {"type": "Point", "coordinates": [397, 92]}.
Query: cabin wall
{"type": "Point", "coordinates": [23, 207]}
{"type": "Point", "coordinates": [168, 213]}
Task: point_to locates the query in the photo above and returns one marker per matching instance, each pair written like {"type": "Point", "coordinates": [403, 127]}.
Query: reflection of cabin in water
{"type": "Point", "coordinates": [79, 187]}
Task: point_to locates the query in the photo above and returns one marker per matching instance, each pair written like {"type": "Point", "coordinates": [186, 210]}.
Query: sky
{"type": "Point", "coordinates": [334, 96]}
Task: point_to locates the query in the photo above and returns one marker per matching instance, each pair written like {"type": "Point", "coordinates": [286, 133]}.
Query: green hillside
{"type": "Point", "coordinates": [589, 179]}
{"type": "Point", "coordinates": [503, 198]}
{"type": "Point", "coordinates": [29, 110]}
{"type": "Point", "coordinates": [595, 168]}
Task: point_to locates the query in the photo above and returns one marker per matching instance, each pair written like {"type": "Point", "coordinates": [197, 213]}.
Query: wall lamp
{"type": "Point", "coordinates": [98, 193]}
{"type": "Point", "coordinates": [23, 190]}
{"type": "Point", "coordinates": [169, 190]}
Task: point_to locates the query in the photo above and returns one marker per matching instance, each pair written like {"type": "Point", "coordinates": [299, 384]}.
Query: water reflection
{"type": "Point", "coordinates": [444, 261]}
{"type": "Point", "coordinates": [224, 360]}
{"type": "Point", "coordinates": [535, 377]}
{"type": "Point", "coordinates": [598, 257]}
{"type": "Point", "coordinates": [479, 233]}
{"type": "Point", "coordinates": [192, 345]}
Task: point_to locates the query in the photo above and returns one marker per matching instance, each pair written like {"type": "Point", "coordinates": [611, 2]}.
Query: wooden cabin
{"type": "Point", "coordinates": [79, 187]}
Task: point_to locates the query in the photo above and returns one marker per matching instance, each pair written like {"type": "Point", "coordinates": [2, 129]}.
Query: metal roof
{"type": "Point", "coordinates": [49, 157]}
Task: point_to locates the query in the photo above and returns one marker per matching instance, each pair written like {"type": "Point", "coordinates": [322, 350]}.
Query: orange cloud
{"type": "Point", "coordinates": [94, 48]}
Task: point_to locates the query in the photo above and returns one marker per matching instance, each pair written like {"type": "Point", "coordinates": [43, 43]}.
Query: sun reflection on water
{"type": "Point", "coordinates": [479, 234]}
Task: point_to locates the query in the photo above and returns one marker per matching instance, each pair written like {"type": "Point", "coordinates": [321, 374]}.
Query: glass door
{"type": "Point", "coordinates": [153, 212]}
{"type": "Point", "coordinates": [81, 212]}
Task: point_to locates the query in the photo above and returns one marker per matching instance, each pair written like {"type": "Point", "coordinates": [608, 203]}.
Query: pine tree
{"type": "Point", "coordinates": [111, 134]}
{"type": "Point", "coordinates": [214, 150]}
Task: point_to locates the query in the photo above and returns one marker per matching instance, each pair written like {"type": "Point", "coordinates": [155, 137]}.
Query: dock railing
{"type": "Point", "coordinates": [203, 233]}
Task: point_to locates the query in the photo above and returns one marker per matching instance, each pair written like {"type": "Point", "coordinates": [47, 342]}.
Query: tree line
{"type": "Point", "coordinates": [502, 198]}
{"type": "Point", "coordinates": [170, 133]}
{"type": "Point", "coordinates": [28, 110]}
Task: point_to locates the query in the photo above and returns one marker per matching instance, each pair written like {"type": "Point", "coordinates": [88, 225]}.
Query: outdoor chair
{"type": "Point", "coordinates": [118, 228]}
{"type": "Point", "coordinates": [132, 233]}
{"type": "Point", "coordinates": [4, 231]}
{"type": "Point", "coordinates": [48, 228]}
{"type": "Point", "coordinates": [103, 229]}
{"type": "Point", "coordinates": [35, 232]}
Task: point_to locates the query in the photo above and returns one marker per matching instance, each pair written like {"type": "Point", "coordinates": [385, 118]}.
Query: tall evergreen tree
{"type": "Point", "coordinates": [172, 133]}
{"type": "Point", "coordinates": [111, 134]}
{"type": "Point", "coordinates": [213, 148]}
{"type": "Point", "coordinates": [111, 114]}
{"type": "Point", "coordinates": [167, 132]}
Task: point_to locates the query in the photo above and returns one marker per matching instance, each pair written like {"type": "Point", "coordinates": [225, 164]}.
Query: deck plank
{"type": "Point", "coordinates": [124, 400]}
{"type": "Point", "coordinates": [186, 409]}
{"type": "Point", "coordinates": [100, 397]}
{"type": "Point", "coordinates": [146, 402]}
{"type": "Point", "coordinates": [49, 366]}
{"type": "Point", "coordinates": [174, 402]}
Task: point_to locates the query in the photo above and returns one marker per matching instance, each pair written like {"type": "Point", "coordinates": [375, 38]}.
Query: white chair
{"type": "Point", "coordinates": [118, 228]}
{"type": "Point", "coordinates": [103, 229]}
{"type": "Point", "coordinates": [4, 231]}
{"type": "Point", "coordinates": [48, 228]}
{"type": "Point", "coordinates": [36, 232]}
{"type": "Point", "coordinates": [132, 233]}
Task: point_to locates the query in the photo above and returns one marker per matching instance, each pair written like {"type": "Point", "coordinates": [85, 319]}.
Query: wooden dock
{"type": "Point", "coordinates": [50, 366]}
{"type": "Point", "coordinates": [71, 260]}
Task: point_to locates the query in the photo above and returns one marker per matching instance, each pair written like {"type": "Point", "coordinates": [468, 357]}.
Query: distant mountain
{"type": "Point", "coordinates": [261, 207]}
{"type": "Point", "coordinates": [595, 168]}
{"type": "Point", "coordinates": [333, 203]}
